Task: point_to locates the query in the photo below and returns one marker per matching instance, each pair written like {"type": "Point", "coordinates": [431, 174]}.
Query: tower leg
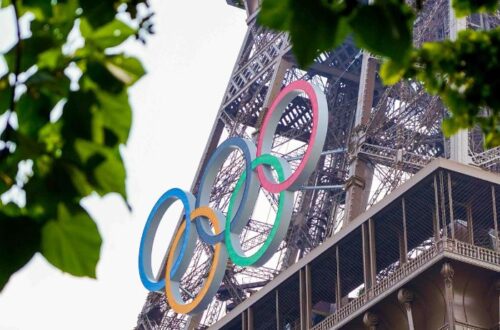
{"type": "Point", "coordinates": [459, 143]}
{"type": "Point", "coordinates": [361, 170]}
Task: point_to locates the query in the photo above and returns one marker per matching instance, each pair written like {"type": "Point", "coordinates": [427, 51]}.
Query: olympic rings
{"type": "Point", "coordinates": [250, 192]}
{"type": "Point", "coordinates": [215, 275]}
{"type": "Point", "coordinates": [281, 222]}
{"type": "Point", "coordinates": [148, 234]}
{"type": "Point", "coordinates": [316, 142]}
{"type": "Point", "coordinates": [223, 232]}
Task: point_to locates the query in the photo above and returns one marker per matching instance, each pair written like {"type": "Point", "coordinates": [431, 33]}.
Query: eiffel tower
{"type": "Point", "coordinates": [378, 137]}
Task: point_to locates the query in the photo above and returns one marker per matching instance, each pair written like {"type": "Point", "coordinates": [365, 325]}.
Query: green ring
{"type": "Point", "coordinates": [237, 258]}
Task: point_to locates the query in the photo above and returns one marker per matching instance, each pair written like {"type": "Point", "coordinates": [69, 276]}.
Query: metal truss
{"type": "Point", "coordinates": [389, 138]}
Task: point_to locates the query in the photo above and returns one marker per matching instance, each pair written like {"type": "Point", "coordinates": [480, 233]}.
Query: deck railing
{"type": "Point", "coordinates": [453, 246]}
{"type": "Point", "coordinates": [465, 326]}
{"type": "Point", "coordinates": [476, 252]}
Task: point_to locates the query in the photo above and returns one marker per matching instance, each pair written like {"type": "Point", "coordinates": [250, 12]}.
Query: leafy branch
{"type": "Point", "coordinates": [462, 72]}
{"type": "Point", "coordinates": [17, 69]}
{"type": "Point", "coordinates": [71, 113]}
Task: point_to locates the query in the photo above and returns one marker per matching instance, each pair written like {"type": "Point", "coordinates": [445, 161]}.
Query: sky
{"type": "Point", "coordinates": [189, 61]}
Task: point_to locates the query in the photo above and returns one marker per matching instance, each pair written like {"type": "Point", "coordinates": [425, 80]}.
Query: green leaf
{"type": "Point", "coordinates": [65, 13]}
{"type": "Point", "coordinates": [49, 186]}
{"type": "Point", "coordinates": [313, 25]}
{"type": "Point", "coordinates": [104, 167]}
{"type": "Point", "coordinates": [116, 115]}
{"type": "Point", "coordinates": [276, 14]}
{"type": "Point", "coordinates": [33, 112]}
{"type": "Point", "coordinates": [54, 85]}
{"type": "Point", "coordinates": [98, 13]}
{"type": "Point", "coordinates": [77, 115]}
{"type": "Point", "coordinates": [492, 138]}
{"type": "Point", "coordinates": [19, 241]}
{"type": "Point", "coordinates": [50, 59]}
{"type": "Point", "coordinates": [72, 242]}
{"type": "Point", "coordinates": [127, 69]}
{"type": "Point", "coordinates": [467, 7]}
{"type": "Point", "coordinates": [449, 127]}
{"type": "Point", "coordinates": [84, 116]}
{"type": "Point", "coordinates": [464, 73]}
{"type": "Point", "coordinates": [5, 95]}
{"type": "Point", "coordinates": [384, 28]}
{"type": "Point", "coordinates": [39, 8]}
{"type": "Point", "coordinates": [327, 31]}
{"type": "Point", "coordinates": [98, 72]}
{"type": "Point", "coordinates": [79, 180]}
{"type": "Point", "coordinates": [6, 180]}
{"type": "Point", "coordinates": [9, 164]}
{"type": "Point", "coordinates": [392, 72]}
{"type": "Point", "coordinates": [30, 49]}
{"type": "Point", "coordinates": [110, 35]}
{"type": "Point", "coordinates": [50, 136]}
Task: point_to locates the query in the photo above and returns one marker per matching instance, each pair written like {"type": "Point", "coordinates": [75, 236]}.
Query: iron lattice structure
{"type": "Point", "coordinates": [377, 138]}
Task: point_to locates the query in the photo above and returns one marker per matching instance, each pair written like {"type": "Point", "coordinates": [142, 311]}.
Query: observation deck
{"type": "Point", "coordinates": [426, 257]}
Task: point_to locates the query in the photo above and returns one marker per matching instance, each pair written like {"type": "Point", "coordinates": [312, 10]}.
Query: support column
{"type": "Point", "coordinates": [406, 297]}
{"type": "Point", "coordinates": [274, 88]}
{"type": "Point", "coordinates": [470, 224]}
{"type": "Point", "coordinates": [373, 252]}
{"type": "Point", "coordinates": [250, 318]}
{"type": "Point", "coordinates": [459, 143]}
{"type": "Point", "coordinates": [497, 287]}
{"type": "Point", "coordinates": [361, 170]}
{"type": "Point", "coordinates": [459, 147]}
{"type": "Point", "coordinates": [366, 256]}
{"type": "Point", "coordinates": [338, 291]}
{"type": "Point", "coordinates": [244, 320]}
{"type": "Point", "coordinates": [495, 216]}
{"type": "Point", "coordinates": [447, 272]}
{"type": "Point", "coordinates": [299, 221]}
{"type": "Point", "coordinates": [403, 241]}
{"type": "Point", "coordinates": [307, 271]}
{"type": "Point", "coordinates": [450, 203]}
{"type": "Point", "coordinates": [193, 321]}
{"type": "Point", "coordinates": [305, 298]}
{"type": "Point", "coordinates": [443, 208]}
{"type": "Point", "coordinates": [370, 320]}
{"type": "Point", "coordinates": [277, 309]}
{"type": "Point", "coordinates": [251, 6]}
{"type": "Point", "coordinates": [437, 234]}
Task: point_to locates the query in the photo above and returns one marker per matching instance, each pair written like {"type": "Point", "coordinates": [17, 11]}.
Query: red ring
{"type": "Point", "coordinates": [305, 87]}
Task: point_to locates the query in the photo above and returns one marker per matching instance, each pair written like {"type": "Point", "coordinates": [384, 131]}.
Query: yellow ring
{"type": "Point", "coordinates": [186, 308]}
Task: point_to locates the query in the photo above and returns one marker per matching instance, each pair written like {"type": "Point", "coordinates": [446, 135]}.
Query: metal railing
{"type": "Point", "coordinates": [465, 326]}
{"type": "Point", "coordinates": [453, 246]}
{"type": "Point", "coordinates": [476, 252]}
{"type": "Point", "coordinates": [487, 158]}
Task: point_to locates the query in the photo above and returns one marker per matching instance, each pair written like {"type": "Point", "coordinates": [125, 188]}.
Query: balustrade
{"type": "Point", "coordinates": [454, 246]}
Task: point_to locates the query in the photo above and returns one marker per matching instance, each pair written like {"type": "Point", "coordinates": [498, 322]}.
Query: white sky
{"type": "Point", "coordinates": [189, 61]}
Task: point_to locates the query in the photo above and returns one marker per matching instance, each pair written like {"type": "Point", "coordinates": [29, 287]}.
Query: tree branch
{"type": "Point", "coordinates": [17, 69]}
{"type": "Point", "coordinates": [17, 60]}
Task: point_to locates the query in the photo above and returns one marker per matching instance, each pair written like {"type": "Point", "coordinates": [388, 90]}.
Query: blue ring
{"type": "Point", "coordinates": [231, 144]}
{"type": "Point", "coordinates": [174, 193]}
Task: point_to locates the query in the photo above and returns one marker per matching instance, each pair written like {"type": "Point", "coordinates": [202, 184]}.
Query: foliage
{"type": "Point", "coordinates": [462, 72]}
{"type": "Point", "coordinates": [383, 27]}
{"type": "Point", "coordinates": [64, 104]}
{"type": "Point", "coordinates": [467, 7]}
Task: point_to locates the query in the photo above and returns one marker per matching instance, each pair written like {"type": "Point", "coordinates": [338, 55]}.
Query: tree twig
{"type": "Point", "coordinates": [17, 60]}
{"type": "Point", "coordinates": [17, 69]}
